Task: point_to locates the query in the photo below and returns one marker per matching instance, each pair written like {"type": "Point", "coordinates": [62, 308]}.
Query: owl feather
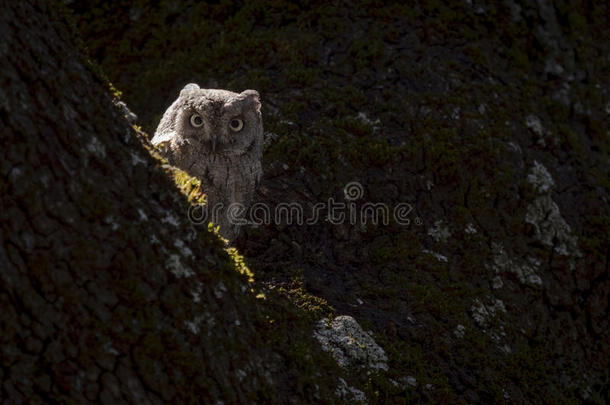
{"type": "Point", "coordinates": [216, 136]}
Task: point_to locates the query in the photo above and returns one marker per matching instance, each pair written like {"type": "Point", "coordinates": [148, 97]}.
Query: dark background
{"type": "Point", "coordinates": [432, 103]}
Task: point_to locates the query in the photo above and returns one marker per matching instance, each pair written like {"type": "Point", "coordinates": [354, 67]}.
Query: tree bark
{"type": "Point", "coordinates": [107, 294]}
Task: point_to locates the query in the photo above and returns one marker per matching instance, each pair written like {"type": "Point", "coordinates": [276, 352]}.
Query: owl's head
{"type": "Point", "coordinates": [213, 122]}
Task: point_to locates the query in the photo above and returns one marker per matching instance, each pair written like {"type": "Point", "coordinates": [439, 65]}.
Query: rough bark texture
{"type": "Point", "coordinates": [107, 294]}
{"type": "Point", "coordinates": [490, 118]}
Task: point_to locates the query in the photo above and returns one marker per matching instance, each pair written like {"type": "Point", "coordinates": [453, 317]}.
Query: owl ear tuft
{"type": "Point", "coordinates": [189, 88]}
{"type": "Point", "coordinates": [254, 96]}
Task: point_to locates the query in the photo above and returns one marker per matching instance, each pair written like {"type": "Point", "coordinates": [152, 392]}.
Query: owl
{"type": "Point", "coordinates": [217, 137]}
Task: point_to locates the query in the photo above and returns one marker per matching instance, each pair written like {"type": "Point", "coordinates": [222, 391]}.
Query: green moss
{"type": "Point", "coordinates": [313, 307]}
{"type": "Point", "coordinates": [239, 264]}
{"type": "Point", "coordinates": [427, 131]}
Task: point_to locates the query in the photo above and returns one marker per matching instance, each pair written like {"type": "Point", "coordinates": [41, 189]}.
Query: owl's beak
{"type": "Point", "coordinates": [213, 145]}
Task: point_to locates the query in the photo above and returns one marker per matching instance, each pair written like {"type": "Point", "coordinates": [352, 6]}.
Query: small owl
{"type": "Point", "coordinates": [216, 136]}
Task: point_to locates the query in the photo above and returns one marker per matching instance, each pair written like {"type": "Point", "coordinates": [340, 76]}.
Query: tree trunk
{"type": "Point", "coordinates": [107, 294]}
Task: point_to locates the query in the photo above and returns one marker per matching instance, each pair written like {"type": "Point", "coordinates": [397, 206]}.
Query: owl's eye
{"type": "Point", "coordinates": [196, 120]}
{"type": "Point", "coordinates": [236, 125]}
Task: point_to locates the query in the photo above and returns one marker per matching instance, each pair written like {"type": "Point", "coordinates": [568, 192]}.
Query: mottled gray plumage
{"type": "Point", "coordinates": [216, 136]}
